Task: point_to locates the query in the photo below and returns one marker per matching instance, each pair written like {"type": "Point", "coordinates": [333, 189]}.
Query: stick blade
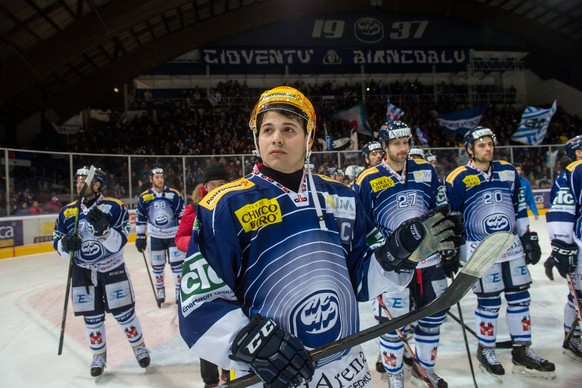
{"type": "Point", "coordinates": [487, 253]}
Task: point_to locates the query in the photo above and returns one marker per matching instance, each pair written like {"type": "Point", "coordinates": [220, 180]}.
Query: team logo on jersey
{"type": "Point", "coordinates": [148, 197]}
{"type": "Point", "coordinates": [261, 213]}
{"type": "Point", "coordinates": [422, 176]}
{"type": "Point", "coordinates": [496, 222]}
{"type": "Point", "coordinates": [341, 207]}
{"type": "Point", "coordinates": [91, 251]}
{"type": "Point", "coordinates": [71, 212]}
{"type": "Point", "coordinates": [381, 183]}
{"type": "Point", "coordinates": [471, 180]}
{"type": "Point", "coordinates": [318, 317]}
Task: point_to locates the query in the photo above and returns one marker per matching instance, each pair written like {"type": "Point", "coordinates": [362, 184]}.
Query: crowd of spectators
{"type": "Point", "coordinates": [214, 123]}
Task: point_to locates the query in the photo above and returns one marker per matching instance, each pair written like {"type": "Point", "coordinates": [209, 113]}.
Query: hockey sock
{"type": "Point", "coordinates": [95, 328]}
{"type": "Point", "coordinates": [426, 336]}
{"type": "Point", "coordinates": [486, 316]}
{"type": "Point", "coordinates": [392, 352]}
{"type": "Point", "coordinates": [570, 316]}
{"type": "Point", "coordinates": [518, 317]}
{"type": "Point", "coordinates": [130, 325]}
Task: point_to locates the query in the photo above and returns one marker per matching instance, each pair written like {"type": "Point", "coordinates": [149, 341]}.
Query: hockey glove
{"type": "Point", "coordinates": [564, 257]}
{"type": "Point", "coordinates": [141, 242]}
{"type": "Point", "coordinates": [99, 221]}
{"type": "Point", "coordinates": [276, 356]}
{"type": "Point", "coordinates": [531, 247]}
{"type": "Point", "coordinates": [71, 242]}
{"type": "Point", "coordinates": [419, 238]}
{"type": "Point", "coordinates": [451, 264]}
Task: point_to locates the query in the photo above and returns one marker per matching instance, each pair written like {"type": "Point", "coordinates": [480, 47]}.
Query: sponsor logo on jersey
{"type": "Point", "coordinates": [341, 207]}
{"type": "Point", "coordinates": [422, 176]}
{"type": "Point", "coordinates": [564, 197]}
{"type": "Point", "coordinates": [471, 180]}
{"type": "Point", "coordinates": [212, 198]}
{"type": "Point", "coordinates": [148, 197]}
{"type": "Point", "coordinates": [496, 222]}
{"type": "Point", "coordinates": [381, 183]}
{"type": "Point", "coordinates": [318, 317]}
{"type": "Point", "coordinates": [71, 212]}
{"type": "Point", "coordinates": [261, 213]}
{"type": "Point", "coordinates": [507, 176]}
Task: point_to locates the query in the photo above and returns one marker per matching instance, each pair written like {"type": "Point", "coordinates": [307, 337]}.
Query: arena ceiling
{"type": "Point", "coordinates": [62, 55]}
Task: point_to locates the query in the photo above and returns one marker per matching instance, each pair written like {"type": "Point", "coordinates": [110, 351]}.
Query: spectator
{"type": "Point", "coordinates": [527, 192]}
{"type": "Point", "coordinates": [35, 209]}
{"type": "Point", "coordinates": [53, 205]}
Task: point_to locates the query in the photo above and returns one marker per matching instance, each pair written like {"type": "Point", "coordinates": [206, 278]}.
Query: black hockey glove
{"type": "Point", "coordinates": [451, 264]}
{"type": "Point", "coordinates": [419, 238]}
{"type": "Point", "coordinates": [141, 242]}
{"type": "Point", "coordinates": [71, 242]}
{"type": "Point", "coordinates": [531, 247]}
{"type": "Point", "coordinates": [564, 257]}
{"type": "Point", "coordinates": [99, 221]}
{"type": "Point", "coordinates": [276, 356]}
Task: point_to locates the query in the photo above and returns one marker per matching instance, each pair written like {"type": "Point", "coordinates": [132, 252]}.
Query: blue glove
{"type": "Point", "coordinates": [276, 356]}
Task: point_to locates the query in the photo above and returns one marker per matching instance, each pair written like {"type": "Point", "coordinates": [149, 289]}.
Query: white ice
{"type": "Point", "coordinates": [31, 303]}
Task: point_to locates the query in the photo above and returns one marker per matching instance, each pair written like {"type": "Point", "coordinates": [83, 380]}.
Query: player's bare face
{"type": "Point", "coordinates": [375, 157]}
{"type": "Point", "coordinates": [158, 182]}
{"type": "Point", "coordinates": [483, 150]}
{"type": "Point", "coordinates": [397, 152]}
{"type": "Point", "coordinates": [282, 142]}
{"type": "Point", "coordinates": [79, 186]}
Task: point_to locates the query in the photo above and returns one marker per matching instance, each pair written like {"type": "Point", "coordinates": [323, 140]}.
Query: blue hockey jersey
{"type": "Point", "coordinates": [97, 253]}
{"type": "Point", "coordinates": [563, 218]}
{"type": "Point", "coordinates": [159, 213]}
{"type": "Point", "coordinates": [490, 202]}
{"type": "Point", "coordinates": [267, 253]}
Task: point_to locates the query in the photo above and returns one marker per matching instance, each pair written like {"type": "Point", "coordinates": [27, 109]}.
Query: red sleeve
{"type": "Point", "coordinates": [184, 232]}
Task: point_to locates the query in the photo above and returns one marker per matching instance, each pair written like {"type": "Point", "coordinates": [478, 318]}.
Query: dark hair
{"type": "Point", "coordinates": [287, 111]}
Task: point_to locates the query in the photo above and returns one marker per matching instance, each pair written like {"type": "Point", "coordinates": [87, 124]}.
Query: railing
{"type": "Point", "coordinates": [35, 175]}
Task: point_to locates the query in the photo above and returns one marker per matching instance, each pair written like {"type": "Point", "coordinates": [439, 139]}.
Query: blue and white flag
{"type": "Point", "coordinates": [393, 112]}
{"type": "Point", "coordinates": [534, 125]}
{"type": "Point", "coordinates": [459, 122]}
{"type": "Point", "coordinates": [421, 136]}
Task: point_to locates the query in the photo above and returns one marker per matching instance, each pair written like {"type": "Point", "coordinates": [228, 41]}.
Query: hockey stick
{"type": "Point", "coordinates": [402, 337]}
{"type": "Point", "coordinates": [508, 344]}
{"type": "Point", "coordinates": [88, 180]}
{"type": "Point", "coordinates": [145, 261]}
{"type": "Point", "coordinates": [484, 256]}
{"type": "Point", "coordinates": [463, 326]}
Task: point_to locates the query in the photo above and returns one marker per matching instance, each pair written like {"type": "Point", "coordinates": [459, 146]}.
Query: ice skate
{"type": "Point", "coordinates": [573, 348]}
{"type": "Point", "coordinates": [528, 362]}
{"type": "Point", "coordinates": [432, 380]}
{"type": "Point", "coordinates": [489, 363]}
{"type": "Point", "coordinates": [98, 364]}
{"type": "Point", "coordinates": [161, 295]}
{"type": "Point", "coordinates": [395, 380]}
{"type": "Point", "coordinates": [142, 355]}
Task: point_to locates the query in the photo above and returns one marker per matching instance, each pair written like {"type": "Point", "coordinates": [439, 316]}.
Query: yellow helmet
{"type": "Point", "coordinates": [288, 99]}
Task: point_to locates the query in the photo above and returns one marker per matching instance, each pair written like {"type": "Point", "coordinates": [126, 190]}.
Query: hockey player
{"type": "Point", "coordinates": [159, 210]}
{"type": "Point", "coordinates": [393, 192]}
{"type": "Point", "coordinates": [373, 153]}
{"type": "Point", "coordinates": [100, 281]}
{"type": "Point", "coordinates": [289, 259]}
{"type": "Point", "coordinates": [565, 232]}
{"type": "Point", "coordinates": [489, 195]}
{"type": "Point", "coordinates": [416, 153]}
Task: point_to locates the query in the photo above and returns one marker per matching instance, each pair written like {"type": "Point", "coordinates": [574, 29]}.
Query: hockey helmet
{"type": "Point", "coordinates": [371, 146]}
{"type": "Point", "coordinates": [572, 145]}
{"type": "Point", "coordinates": [394, 130]}
{"type": "Point", "coordinates": [156, 170]}
{"type": "Point", "coordinates": [416, 151]}
{"type": "Point", "coordinates": [287, 99]}
{"type": "Point", "coordinates": [430, 157]}
{"type": "Point", "coordinates": [477, 133]}
{"type": "Point", "coordinates": [353, 171]}
{"type": "Point", "coordinates": [99, 176]}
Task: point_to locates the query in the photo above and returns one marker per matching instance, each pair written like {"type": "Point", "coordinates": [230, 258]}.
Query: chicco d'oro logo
{"type": "Point", "coordinates": [261, 213]}
{"type": "Point", "coordinates": [318, 318]}
{"type": "Point", "coordinates": [369, 30]}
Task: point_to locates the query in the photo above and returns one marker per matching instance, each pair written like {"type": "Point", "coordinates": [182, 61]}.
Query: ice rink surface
{"type": "Point", "coordinates": [32, 289]}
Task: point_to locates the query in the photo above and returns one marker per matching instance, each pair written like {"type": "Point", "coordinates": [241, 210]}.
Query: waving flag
{"type": "Point", "coordinates": [534, 125]}
{"type": "Point", "coordinates": [393, 112]}
{"type": "Point", "coordinates": [356, 117]}
{"type": "Point", "coordinates": [421, 136]}
{"type": "Point", "coordinates": [461, 121]}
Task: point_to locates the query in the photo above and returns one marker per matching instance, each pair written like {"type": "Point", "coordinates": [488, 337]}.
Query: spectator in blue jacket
{"type": "Point", "coordinates": [527, 191]}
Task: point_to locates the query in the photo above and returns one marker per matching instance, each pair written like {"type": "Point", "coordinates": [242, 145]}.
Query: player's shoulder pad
{"type": "Point", "coordinates": [212, 198]}
{"type": "Point", "coordinates": [365, 173]}
{"type": "Point", "coordinates": [505, 163]}
{"type": "Point", "coordinates": [419, 161]}
{"type": "Point", "coordinates": [112, 199]}
{"type": "Point", "coordinates": [454, 174]}
{"type": "Point", "coordinates": [572, 166]}
{"type": "Point", "coordinates": [144, 192]}
{"type": "Point", "coordinates": [328, 179]}
{"type": "Point", "coordinates": [174, 191]}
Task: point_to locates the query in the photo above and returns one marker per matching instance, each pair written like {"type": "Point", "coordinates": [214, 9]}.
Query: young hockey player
{"type": "Point", "coordinates": [289, 260]}
{"type": "Point", "coordinates": [565, 232]}
{"type": "Point", "coordinates": [100, 282]}
{"type": "Point", "coordinates": [159, 210]}
{"type": "Point", "coordinates": [396, 190]}
{"type": "Point", "coordinates": [489, 195]}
